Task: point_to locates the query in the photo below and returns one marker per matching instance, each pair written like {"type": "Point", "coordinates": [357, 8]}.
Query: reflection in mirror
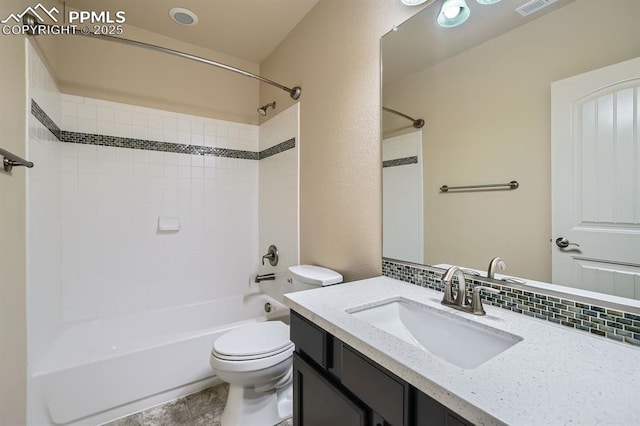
{"type": "Point", "coordinates": [549, 100]}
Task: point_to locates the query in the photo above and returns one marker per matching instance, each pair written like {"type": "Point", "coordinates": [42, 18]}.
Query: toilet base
{"type": "Point", "coordinates": [247, 407]}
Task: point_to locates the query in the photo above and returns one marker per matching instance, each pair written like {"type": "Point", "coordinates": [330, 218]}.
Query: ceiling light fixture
{"type": "Point", "coordinates": [453, 13]}
{"type": "Point", "coordinates": [183, 16]}
{"type": "Point", "coordinates": [488, 1]}
{"type": "Point", "coordinates": [417, 2]}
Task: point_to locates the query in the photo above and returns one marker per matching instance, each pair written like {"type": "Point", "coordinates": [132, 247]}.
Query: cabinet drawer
{"type": "Point", "coordinates": [429, 412]}
{"type": "Point", "coordinates": [318, 402]}
{"type": "Point", "coordinates": [385, 394]}
{"type": "Point", "coordinates": [310, 339]}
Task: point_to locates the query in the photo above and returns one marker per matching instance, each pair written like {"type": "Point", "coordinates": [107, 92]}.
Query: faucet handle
{"type": "Point", "coordinates": [476, 302]}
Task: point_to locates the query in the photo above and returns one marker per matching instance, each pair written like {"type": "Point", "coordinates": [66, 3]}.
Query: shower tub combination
{"type": "Point", "coordinates": [101, 370]}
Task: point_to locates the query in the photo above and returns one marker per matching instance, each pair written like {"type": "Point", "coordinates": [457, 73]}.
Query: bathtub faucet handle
{"type": "Point", "coordinates": [272, 255]}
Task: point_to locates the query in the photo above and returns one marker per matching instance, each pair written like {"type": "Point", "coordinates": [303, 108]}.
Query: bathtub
{"type": "Point", "coordinates": [101, 370]}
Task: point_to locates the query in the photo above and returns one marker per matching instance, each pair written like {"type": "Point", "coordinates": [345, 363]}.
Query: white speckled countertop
{"type": "Point", "coordinates": [555, 376]}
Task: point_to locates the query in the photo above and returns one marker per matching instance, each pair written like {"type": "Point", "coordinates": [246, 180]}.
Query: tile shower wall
{"type": "Point", "coordinates": [44, 252]}
{"type": "Point", "coordinates": [278, 200]}
{"type": "Point", "coordinates": [115, 260]}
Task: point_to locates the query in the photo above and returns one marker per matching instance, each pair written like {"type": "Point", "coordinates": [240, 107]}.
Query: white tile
{"type": "Point", "coordinates": [156, 134]}
{"type": "Point", "coordinates": [155, 121]}
{"type": "Point", "coordinates": [184, 160]}
{"type": "Point", "coordinates": [170, 136]}
{"type": "Point", "coordinates": [222, 131]}
{"type": "Point", "coordinates": [155, 170]}
{"type": "Point", "coordinates": [209, 129]}
{"type": "Point", "coordinates": [197, 140]}
{"type": "Point", "coordinates": [87, 111]}
{"type": "Point", "coordinates": [106, 114]}
{"type": "Point", "coordinates": [122, 155]}
{"type": "Point", "coordinates": [123, 116]}
{"type": "Point", "coordinates": [106, 153]}
{"type": "Point", "coordinates": [209, 141]}
{"type": "Point", "coordinates": [170, 158]}
{"type": "Point", "coordinates": [170, 124]}
{"type": "Point", "coordinates": [139, 132]}
{"type": "Point", "coordinates": [122, 130]}
{"type": "Point", "coordinates": [197, 128]}
{"type": "Point", "coordinates": [184, 138]}
{"type": "Point", "coordinates": [107, 128]}
{"type": "Point", "coordinates": [156, 157]}
{"type": "Point", "coordinates": [69, 108]}
{"type": "Point", "coordinates": [184, 172]}
{"type": "Point", "coordinates": [139, 119]}
{"type": "Point", "coordinates": [139, 155]}
{"type": "Point", "coordinates": [234, 132]}
{"type": "Point", "coordinates": [210, 161]}
{"type": "Point", "coordinates": [170, 171]}
{"type": "Point", "coordinates": [86, 125]}
{"type": "Point", "coordinates": [85, 151]}
{"type": "Point", "coordinates": [184, 125]}
{"type": "Point", "coordinates": [69, 123]}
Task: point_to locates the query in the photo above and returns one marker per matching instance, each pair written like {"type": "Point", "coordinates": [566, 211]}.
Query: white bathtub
{"type": "Point", "coordinates": [95, 367]}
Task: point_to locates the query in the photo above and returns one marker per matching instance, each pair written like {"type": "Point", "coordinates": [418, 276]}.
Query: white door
{"type": "Point", "coordinates": [596, 180]}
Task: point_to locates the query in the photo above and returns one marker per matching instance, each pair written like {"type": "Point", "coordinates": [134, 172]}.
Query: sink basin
{"type": "Point", "coordinates": [452, 338]}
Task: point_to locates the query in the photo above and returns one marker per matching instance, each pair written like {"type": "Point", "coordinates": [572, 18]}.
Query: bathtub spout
{"type": "Point", "coordinates": [265, 277]}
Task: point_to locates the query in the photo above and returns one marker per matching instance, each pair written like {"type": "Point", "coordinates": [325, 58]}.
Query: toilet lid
{"type": "Point", "coordinates": [254, 339]}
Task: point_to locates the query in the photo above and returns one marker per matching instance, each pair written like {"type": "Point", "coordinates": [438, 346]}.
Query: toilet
{"type": "Point", "coordinates": [256, 360]}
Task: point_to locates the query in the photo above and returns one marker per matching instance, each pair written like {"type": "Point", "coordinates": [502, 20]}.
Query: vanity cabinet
{"type": "Point", "coordinates": [336, 385]}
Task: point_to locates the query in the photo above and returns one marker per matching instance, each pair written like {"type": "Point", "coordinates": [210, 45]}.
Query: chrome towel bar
{"type": "Point", "coordinates": [11, 160]}
{"type": "Point", "coordinates": [511, 185]}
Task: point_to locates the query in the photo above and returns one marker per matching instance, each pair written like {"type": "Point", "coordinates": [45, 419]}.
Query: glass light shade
{"type": "Point", "coordinates": [453, 13]}
{"type": "Point", "coordinates": [416, 2]}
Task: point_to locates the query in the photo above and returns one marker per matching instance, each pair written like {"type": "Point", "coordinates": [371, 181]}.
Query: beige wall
{"type": "Point", "coordinates": [12, 217]}
{"type": "Point", "coordinates": [334, 54]}
{"type": "Point", "coordinates": [121, 73]}
{"type": "Point", "coordinates": [488, 120]}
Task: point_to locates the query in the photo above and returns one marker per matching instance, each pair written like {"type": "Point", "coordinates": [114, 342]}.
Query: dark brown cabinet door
{"type": "Point", "coordinates": [318, 402]}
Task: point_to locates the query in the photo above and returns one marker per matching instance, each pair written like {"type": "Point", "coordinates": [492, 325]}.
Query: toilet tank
{"type": "Point", "coordinates": [305, 277]}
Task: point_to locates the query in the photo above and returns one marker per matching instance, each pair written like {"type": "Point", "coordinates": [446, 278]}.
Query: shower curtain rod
{"type": "Point", "coordinates": [418, 123]}
{"type": "Point", "coordinates": [294, 92]}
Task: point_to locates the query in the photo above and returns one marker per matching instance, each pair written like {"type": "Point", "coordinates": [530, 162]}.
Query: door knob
{"type": "Point", "coordinates": [562, 242]}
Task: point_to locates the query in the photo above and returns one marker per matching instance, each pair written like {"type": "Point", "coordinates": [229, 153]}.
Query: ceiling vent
{"type": "Point", "coordinates": [534, 6]}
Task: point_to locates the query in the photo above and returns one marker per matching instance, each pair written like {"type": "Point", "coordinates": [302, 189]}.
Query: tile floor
{"type": "Point", "coordinates": [199, 409]}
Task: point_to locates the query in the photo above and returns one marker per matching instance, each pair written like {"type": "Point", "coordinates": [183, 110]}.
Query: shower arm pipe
{"type": "Point", "coordinates": [294, 92]}
{"type": "Point", "coordinates": [417, 122]}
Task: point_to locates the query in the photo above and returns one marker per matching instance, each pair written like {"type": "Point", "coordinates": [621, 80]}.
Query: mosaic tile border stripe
{"type": "Point", "coordinates": [148, 145]}
{"type": "Point", "coordinates": [400, 161]}
{"type": "Point", "coordinates": [598, 320]}
{"type": "Point", "coordinates": [277, 149]}
{"type": "Point", "coordinates": [46, 121]}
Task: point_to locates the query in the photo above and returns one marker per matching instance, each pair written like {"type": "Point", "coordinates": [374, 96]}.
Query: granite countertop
{"type": "Point", "coordinates": [554, 376]}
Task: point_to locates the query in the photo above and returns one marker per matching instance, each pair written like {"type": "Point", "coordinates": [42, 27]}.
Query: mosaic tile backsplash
{"type": "Point", "coordinates": [598, 320]}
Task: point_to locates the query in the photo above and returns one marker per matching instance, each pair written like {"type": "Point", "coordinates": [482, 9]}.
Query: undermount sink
{"type": "Point", "coordinates": [450, 337]}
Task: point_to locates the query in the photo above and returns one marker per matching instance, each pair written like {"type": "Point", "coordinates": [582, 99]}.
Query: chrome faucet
{"type": "Point", "coordinates": [461, 301]}
{"type": "Point", "coordinates": [495, 262]}
{"type": "Point", "coordinates": [265, 277]}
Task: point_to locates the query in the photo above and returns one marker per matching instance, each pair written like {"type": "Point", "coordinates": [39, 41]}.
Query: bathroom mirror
{"type": "Point", "coordinates": [484, 89]}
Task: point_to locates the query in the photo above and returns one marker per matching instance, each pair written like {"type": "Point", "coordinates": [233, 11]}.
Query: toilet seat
{"type": "Point", "coordinates": [251, 357]}
{"type": "Point", "coordinates": [253, 341]}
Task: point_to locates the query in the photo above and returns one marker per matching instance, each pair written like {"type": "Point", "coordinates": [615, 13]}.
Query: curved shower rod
{"type": "Point", "coordinates": [294, 92]}
{"type": "Point", "coordinates": [418, 123]}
